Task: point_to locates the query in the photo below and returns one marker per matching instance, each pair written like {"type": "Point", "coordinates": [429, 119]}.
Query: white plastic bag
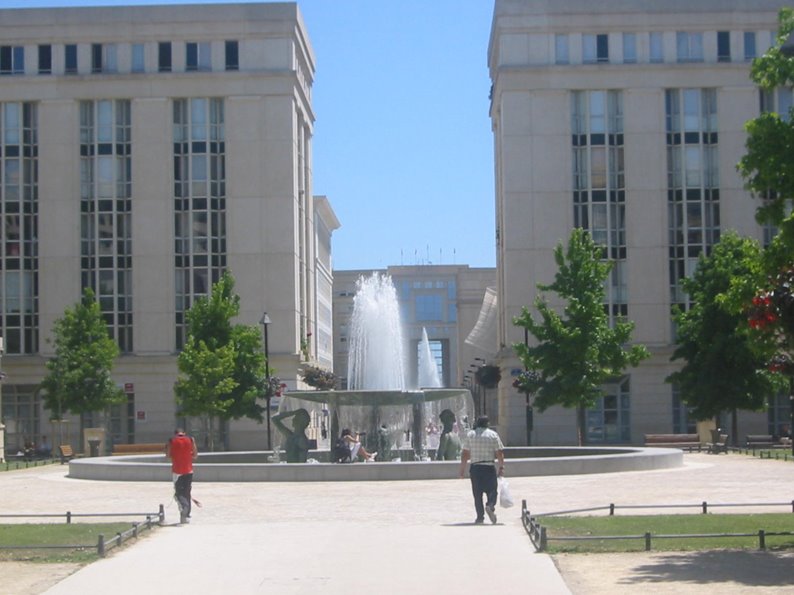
{"type": "Point", "coordinates": [505, 497]}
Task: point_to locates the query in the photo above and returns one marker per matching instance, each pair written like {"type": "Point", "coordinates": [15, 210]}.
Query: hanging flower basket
{"type": "Point", "coordinates": [488, 376]}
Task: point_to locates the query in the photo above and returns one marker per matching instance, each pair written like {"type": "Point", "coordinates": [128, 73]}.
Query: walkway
{"type": "Point", "coordinates": [390, 537]}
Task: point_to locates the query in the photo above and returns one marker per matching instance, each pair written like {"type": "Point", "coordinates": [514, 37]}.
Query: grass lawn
{"type": "Point", "coordinates": [667, 525]}
{"type": "Point", "coordinates": [81, 534]}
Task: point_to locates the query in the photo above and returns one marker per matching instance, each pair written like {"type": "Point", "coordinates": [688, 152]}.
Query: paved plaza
{"type": "Point", "coordinates": [399, 537]}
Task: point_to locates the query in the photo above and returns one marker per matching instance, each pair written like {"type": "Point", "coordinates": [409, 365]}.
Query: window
{"type": "Point", "coordinates": [723, 46]}
{"type": "Point", "coordinates": [656, 47]}
{"type": "Point", "coordinates": [608, 421]}
{"type": "Point", "coordinates": [599, 194]}
{"type": "Point", "coordinates": [18, 227]}
{"type": "Point", "coordinates": [595, 48]}
{"type": "Point", "coordinates": [561, 49]}
{"type": "Point", "coordinates": [197, 57]}
{"type": "Point", "coordinates": [12, 59]}
{"type": "Point", "coordinates": [106, 207]}
{"type": "Point", "coordinates": [45, 59]}
{"type": "Point", "coordinates": [629, 48]}
{"type": "Point", "coordinates": [164, 56]}
{"type": "Point", "coordinates": [428, 307]}
{"type": "Point", "coordinates": [103, 58]}
{"type": "Point", "coordinates": [749, 45]}
{"type": "Point", "coordinates": [689, 47]}
{"type": "Point", "coordinates": [232, 55]}
{"type": "Point", "coordinates": [693, 183]}
{"type": "Point", "coordinates": [199, 202]}
{"type": "Point", "coordinates": [70, 58]}
{"type": "Point", "coordinates": [138, 58]}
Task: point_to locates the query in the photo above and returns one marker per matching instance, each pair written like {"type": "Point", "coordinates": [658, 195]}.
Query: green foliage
{"type": "Point", "coordinates": [78, 378]}
{"type": "Point", "coordinates": [725, 367]}
{"type": "Point", "coordinates": [222, 367]}
{"type": "Point", "coordinates": [318, 378]}
{"type": "Point", "coordinates": [578, 352]}
{"type": "Point", "coordinates": [768, 170]}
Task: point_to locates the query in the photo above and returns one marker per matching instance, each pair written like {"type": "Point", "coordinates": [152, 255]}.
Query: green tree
{"type": "Point", "coordinates": [768, 170]}
{"type": "Point", "coordinates": [724, 368]}
{"type": "Point", "coordinates": [78, 378]}
{"type": "Point", "coordinates": [222, 367]}
{"type": "Point", "coordinates": [575, 354]}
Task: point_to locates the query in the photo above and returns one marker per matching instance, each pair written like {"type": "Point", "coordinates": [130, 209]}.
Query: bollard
{"type": "Point", "coordinates": [705, 508]}
{"type": "Point", "coordinates": [543, 539]}
{"type": "Point", "coordinates": [162, 514]}
{"type": "Point", "coordinates": [68, 517]}
{"type": "Point", "coordinates": [761, 539]}
{"type": "Point", "coordinates": [611, 510]}
{"type": "Point", "coordinates": [100, 546]}
{"type": "Point", "coordinates": [648, 542]}
{"type": "Point", "coordinates": [135, 530]}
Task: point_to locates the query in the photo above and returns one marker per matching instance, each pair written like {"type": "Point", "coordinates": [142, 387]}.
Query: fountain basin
{"type": "Point", "coordinates": [253, 466]}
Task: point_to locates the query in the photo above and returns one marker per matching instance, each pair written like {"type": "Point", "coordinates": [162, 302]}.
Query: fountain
{"type": "Point", "coordinates": [377, 403]}
{"type": "Point", "coordinates": [377, 397]}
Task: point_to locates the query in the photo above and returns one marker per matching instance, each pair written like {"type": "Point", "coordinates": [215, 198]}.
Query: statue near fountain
{"type": "Point", "coordinates": [449, 444]}
{"type": "Point", "coordinates": [296, 445]}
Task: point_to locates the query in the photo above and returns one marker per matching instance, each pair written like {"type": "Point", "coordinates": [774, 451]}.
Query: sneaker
{"type": "Point", "coordinates": [183, 518]}
{"type": "Point", "coordinates": [491, 514]}
{"type": "Point", "coordinates": [479, 521]}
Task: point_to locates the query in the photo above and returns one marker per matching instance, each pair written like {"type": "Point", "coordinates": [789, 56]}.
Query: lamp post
{"type": "Point", "coordinates": [265, 322]}
{"type": "Point", "coordinates": [477, 405]}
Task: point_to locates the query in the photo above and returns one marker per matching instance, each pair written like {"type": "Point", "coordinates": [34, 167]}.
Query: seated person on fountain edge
{"type": "Point", "coordinates": [354, 445]}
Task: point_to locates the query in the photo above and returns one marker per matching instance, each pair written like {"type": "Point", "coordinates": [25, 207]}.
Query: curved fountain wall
{"type": "Point", "coordinates": [252, 466]}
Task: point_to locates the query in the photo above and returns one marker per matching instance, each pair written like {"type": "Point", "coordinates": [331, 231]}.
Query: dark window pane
{"type": "Point", "coordinates": [232, 55]}
{"type": "Point", "coordinates": [45, 59]}
{"type": "Point", "coordinates": [164, 56]}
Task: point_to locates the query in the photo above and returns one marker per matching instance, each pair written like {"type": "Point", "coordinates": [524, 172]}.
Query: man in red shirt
{"type": "Point", "coordinates": [182, 451]}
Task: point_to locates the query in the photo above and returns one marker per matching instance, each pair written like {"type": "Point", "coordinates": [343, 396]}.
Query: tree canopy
{"type": "Point", "coordinates": [78, 378]}
{"type": "Point", "coordinates": [222, 367]}
{"type": "Point", "coordinates": [768, 170]}
{"type": "Point", "coordinates": [724, 366]}
{"type": "Point", "coordinates": [577, 352]}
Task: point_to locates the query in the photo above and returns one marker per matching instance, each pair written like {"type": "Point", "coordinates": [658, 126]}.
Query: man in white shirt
{"type": "Point", "coordinates": [481, 446]}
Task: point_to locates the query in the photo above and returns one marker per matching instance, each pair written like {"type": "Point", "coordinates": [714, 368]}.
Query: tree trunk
{"type": "Point", "coordinates": [734, 427]}
{"type": "Point", "coordinates": [580, 425]}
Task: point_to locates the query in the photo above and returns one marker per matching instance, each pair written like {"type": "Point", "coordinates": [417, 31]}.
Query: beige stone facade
{"type": "Point", "coordinates": [624, 117]}
{"type": "Point", "coordinates": [159, 146]}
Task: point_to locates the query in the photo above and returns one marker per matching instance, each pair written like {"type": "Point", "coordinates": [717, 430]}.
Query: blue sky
{"type": "Point", "coordinates": [402, 143]}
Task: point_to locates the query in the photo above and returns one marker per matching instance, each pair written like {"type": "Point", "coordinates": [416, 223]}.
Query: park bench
{"type": "Point", "coordinates": [760, 441]}
{"type": "Point", "coordinates": [157, 448]}
{"type": "Point", "coordinates": [682, 441]}
{"type": "Point", "coordinates": [66, 452]}
{"type": "Point", "coordinates": [719, 444]}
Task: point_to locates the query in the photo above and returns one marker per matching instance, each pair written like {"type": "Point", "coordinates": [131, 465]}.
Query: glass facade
{"type": "Point", "coordinates": [692, 182]}
{"type": "Point", "coordinates": [105, 212]}
{"type": "Point", "coordinates": [609, 422]}
{"type": "Point", "coordinates": [199, 202]}
{"type": "Point", "coordinates": [599, 193]}
{"type": "Point", "coordinates": [19, 187]}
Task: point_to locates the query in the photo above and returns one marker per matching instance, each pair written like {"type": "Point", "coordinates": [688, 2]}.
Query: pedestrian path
{"type": "Point", "coordinates": [387, 537]}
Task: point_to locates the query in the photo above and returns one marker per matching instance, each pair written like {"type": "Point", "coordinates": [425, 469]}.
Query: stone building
{"type": "Point", "coordinates": [626, 118]}
{"type": "Point", "coordinates": [144, 151]}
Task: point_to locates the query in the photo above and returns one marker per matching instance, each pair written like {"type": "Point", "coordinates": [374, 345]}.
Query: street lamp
{"type": "Point", "coordinates": [265, 322]}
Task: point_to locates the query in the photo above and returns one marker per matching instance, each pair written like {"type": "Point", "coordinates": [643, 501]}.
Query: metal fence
{"type": "Point", "coordinates": [539, 535]}
{"type": "Point", "coordinates": [103, 544]}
